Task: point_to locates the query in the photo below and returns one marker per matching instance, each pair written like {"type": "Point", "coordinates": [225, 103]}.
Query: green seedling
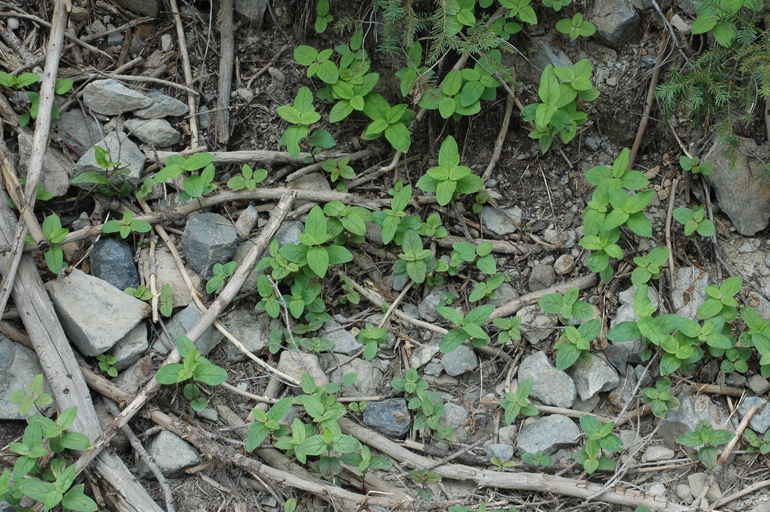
{"type": "Point", "coordinates": [695, 165]}
{"type": "Point", "coordinates": [598, 437]}
{"type": "Point", "coordinates": [267, 423]}
{"type": "Point", "coordinates": [556, 5]}
{"type": "Point", "coordinates": [707, 438]}
{"type": "Point", "coordinates": [694, 221]}
{"type": "Point", "coordinates": [166, 300]}
{"type": "Point", "coordinates": [270, 303]}
{"type": "Point", "coordinates": [351, 295]}
{"type": "Point", "coordinates": [757, 444]}
{"type": "Point", "coordinates": [466, 252]}
{"type": "Point", "coordinates": [424, 478]}
{"type": "Point", "coordinates": [62, 86]}
{"type": "Point", "coordinates": [501, 465]}
{"type": "Point", "coordinates": [415, 261]}
{"type": "Point", "coordinates": [107, 181]}
{"type": "Point", "coordinates": [659, 398]}
{"type": "Point", "coordinates": [280, 266]}
{"type": "Point", "coordinates": [323, 18]}
{"type": "Point", "coordinates": [311, 251]}
{"type": "Point", "coordinates": [364, 461]}
{"type": "Point", "coordinates": [299, 432]}
{"type": "Point", "coordinates": [449, 178]}
{"type": "Point", "coordinates": [627, 211]}
{"type": "Point", "coordinates": [479, 202]}
{"type": "Point", "coordinates": [315, 344]}
{"type": "Point", "coordinates": [387, 120]}
{"type": "Point", "coordinates": [318, 64]}
{"type": "Point", "coordinates": [391, 218]}
{"type": "Point", "coordinates": [33, 396]}
{"type": "Point", "coordinates": [509, 329]}
{"type": "Point", "coordinates": [141, 293]}
{"type": "Point", "coordinates": [248, 179]}
{"type": "Point", "coordinates": [301, 116]}
{"type": "Point", "coordinates": [107, 364]}
{"type": "Point", "coordinates": [371, 338]}
{"type": "Point", "coordinates": [516, 403]}
{"type": "Point", "coordinates": [126, 225]}
{"type": "Point", "coordinates": [320, 403]}
{"type": "Point", "coordinates": [351, 218]}
{"type": "Point", "coordinates": [18, 82]}
{"type": "Point", "coordinates": [468, 327]}
{"type": "Point", "coordinates": [537, 459]}
{"type": "Point", "coordinates": [576, 27]}
{"type": "Point", "coordinates": [432, 227]}
{"type": "Point", "coordinates": [411, 383]}
{"type": "Point", "coordinates": [328, 445]}
{"type": "Point", "coordinates": [176, 165]}
{"type": "Point", "coordinates": [55, 234]}
{"type": "Point", "coordinates": [40, 195]}
{"type": "Point", "coordinates": [575, 343]}
{"type": "Point", "coordinates": [648, 266]}
{"type": "Point", "coordinates": [721, 301]}
{"type": "Point", "coordinates": [220, 274]}
{"type": "Point", "coordinates": [567, 306]}
{"type": "Point", "coordinates": [618, 176]}
{"type": "Point", "coordinates": [757, 335]}
{"type": "Point", "coordinates": [194, 368]}
{"type": "Point", "coordinates": [291, 505]}
{"type": "Point", "coordinates": [338, 169]}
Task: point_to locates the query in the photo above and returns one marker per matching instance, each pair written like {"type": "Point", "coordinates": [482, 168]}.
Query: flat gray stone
{"type": "Point", "coordinates": [57, 165]}
{"type": "Point", "coordinates": [594, 377]}
{"type": "Point", "coordinates": [18, 366]}
{"type": "Point", "coordinates": [549, 435]}
{"type": "Point", "coordinates": [131, 347]}
{"type": "Point", "coordinates": [167, 272]}
{"type": "Point", "coordinates": [760, 422]}
{"type": "Point", "coordinates": [456, 418]}
{"type": "Point", "coordinates": [655, 453]}
{"type": "Point", "coordinates": [758, 384]}
{"type": "Point", "coordinates": [429, 305]}
{"type": "Point", "coordinates": [208, 239]}
{"type": "Point", "coordinates": [689, 291]}
{"type": "Point", "coordinates": [564, 264]}
{"type": "Point", "coordinates": [180, 324]}
{"type": "Point", "coordinates": [501, 221]}
{"type": "Point", "coordinates": [542, 277]}
{"type": "Point", "coordinates": [110, 97]}
{"type": "Point", "coordinates": [616, 22]}
{"type": "Point", "coordinates": [171, 454]}
{"type": "Point", "coordinates": [252, 10]}
{"type": "Point", "coordinates": [94, 314]}
{"type": "Point", "coordinates": [499, 450]}
{"type": "Point", "coordinates": [251, 329]}
{"type": "Point", "coordinates": [549, 384]}
{"type": "Point", "coordinates": [686, 418]}
{"type": "Point", "coordinates": [149, 8]}
{"type": "Point", "coordinates": [295, 363]}
{"type": "Point", "coordinates": [368, 379]}
{"type": "Point", "coordinates": [621, 353]}
{"type": "Point", "coordinates": [134, 377]}
{"type": "Point", "coordinates": [153, 131]}
{"type": "Point", "coordinates": [121, 149]}
{"type": "Point", "coordinates": [422, 355]}
{"type": "Point", "coordinates": [113, 261]}
{"type": "Point", "coordinates": [162, 106]}
{"type": "Point", "coordinates": [460, 360]}
{"type": "Point", "coordinates": [538, 325]}
{"type": "Point", "coordinates": [698, 482]}
{"type": "Point", "coordinates": [390, 417]}
{"type": "Point", "coordinates": [344, 341]}
{"type": "Point", "coordinates": [289, 233]}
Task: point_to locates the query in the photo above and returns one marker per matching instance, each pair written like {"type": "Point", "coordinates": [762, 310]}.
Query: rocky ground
{"type": "Point", "coordinates": [132, 96]}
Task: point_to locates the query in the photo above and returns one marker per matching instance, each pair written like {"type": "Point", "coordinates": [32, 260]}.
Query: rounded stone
{"type": "Point", "coordinates": [389, 417]}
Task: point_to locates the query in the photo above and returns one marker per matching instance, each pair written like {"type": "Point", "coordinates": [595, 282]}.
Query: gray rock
{"type": "Point", "coordinates": [505, 294]}
{"type": "Point", "coordinates": [313, 181]}
{"type": "Point", "coordinates": [508, 434]}
{"type": "Point", "coordinates": [162, 106]}
{"type": "Point", "coordinates": [616, 22]}
{"type": "Point", "coordinates": [593, 143]}
{"type": "Point", "coordinates": [167, 272]}
{"type": "Point", "coordinates": [134, 377]}
{"type": "Point", "coordinates": [374, 233]}
{"type": "Point", "coordinates": [422, 355]}
{"type": "Point", "coordinates": [119, 440]}
{"type": "Point", "coordinates": [620, 353]}
{"type": "Point", "coordinates": [110, 97]}
{"type": "Point", "coordinates": [429, 305]}
{"type": "Point", "coordinates": [624, 391]}
{"type": "Point", "coordinates": [171, 454]}
{"type": "Point", "coordinates": [368, 381]}
{"type": "Point", "coordinates": [460, 360]}
{"type": "Point", "coordinates": [57, 165]}
{"type": "Point", "coordinates": [549, 384]}
{"type": "Point", "coordinates": [344, 341]}
{"type": "Point", "coordinates": [246, 221]}
{"type": "Point", "coordinates": [130, 348]}
{"type": "Point", "coordinates": [564, 264]}
{"type": "Point", "coordinates": [166, 43]}
{"type": "Point", "coordinates": [542, 277]}
{"type": "Point", "coordinates": [208, 239]}
{"type": "Point", "coordinates": [289, 233]}
{"type": "Point", "coordinates": [657, 489]}
{"type": "Point", "coordinates": [501, 221]}
{"type": "Point", "coordinates": [94, 314]}
{"type": "Point", "coordinates": [545, 51]}
{"type": "Point", "coordinates": [79, 130]}
{"type": "Point", "coordinates": [594, 377]}
{"type": "Point", "coordinates": [499, 451]}
{"type": "Point", "coordinates": [250, 284]}
{"type": "Point", "coordinates": [744, 199]}
{"type": "Point", "coordinates": [689, 291]}
{"type": "Point", "coordinates": [686, 418]}
{"type": "Point", "coordinates": [121, 149]}
{"type": "Point", "coordinates": [560, 237]}
{"type": "Point", "coordinates": [295, 363]}
{"type": "Point", "coordinates": [627, 295]}
{"type": "Point", "coordinates": [180, 324]}
{"type": "Point", "coordinates": [389, 417]}
{"type": "Point", "coordinates": [698, 482]}
{"type": "Point", "coordinates": [683, 492]}
{"type": "Point", "coordinates": [655, 453]}
{"type": "Point", "coordinates": [537, 326]}
{"type": "Point", "coordinates": [762, 507]}
{"type": "Point", "coordinates": [456, 418]}
{"type": "Point", "coordinates": [153, 131]}
{"type": "Point", "coordinates": [760, 422]}
{"type": "Point", "coordinates": [144, 7]}
{"type": "Point", "coordinates": [758, 384]}
{"type": "Point", "coordinates": [18, 366]}
{"type": "Point", "coordinates": [113, 261]}
{"type": "Point", "coordinates": [252, 10]}
{"type": "Point", "coordinates": [251, 329]}
{"type": "Point", "coordinates": [586, 405]}
{"type": "Point", "coordinates": [548, 435]}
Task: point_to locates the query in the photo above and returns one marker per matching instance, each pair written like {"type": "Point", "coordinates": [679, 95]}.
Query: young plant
{"type": "Point", "coordinates": [449, 178]}
{"type": "Point", "coordinates": [106, 364]}
{"type": "Point", "coordinates": [432, 227]}
{"type": "Point", "coordinates": [648, 266]}
{"type": "Point", "coordinates": [598, 437]}
{"type": "Point", "coordinates": [323, 18]}
{"type": "Point", "coordinates": [391, 121]}
{"type": "Point", "coordinates": [576, 27]}
{"type": "Point", "coordinates": [708, 438]}
{"type": "Point", "coordinates": [338, 169]}
{"type": "Point", "coordinates": [311, 250]}
{"type": "Point", "coordinates": [424, 478]}
{"type": "Point", "coordinates": [468, 327]}
{"type": "Point", "coordinates": [502, 465]}
{"type": "Point", "coordinates": [107, 182]}
{"type": "Point", "coordinates": [55, 234]}
{"type": "Point", "coordinates": [301, 116]}
{"type": "Point", "coordinates": [391, 218]}
{"type": "Point", "coordinates": [18, 82]}
{"type": "Point", "coordinates": [194, 368]}
{"type": "Point", "coordinates": [575, 343]}
{"type": "Point", "coordinates": [166, 300]}
{"type": "Point", "coordinates": [141, 293]}
{"type": "Point", "coordinates": [176, 165]}
{"type": "Point", "coordinates": [659, 398]}
{"type": "Point", "coordinates": [126, 225]}
{"type": "Point", "coordinates": [466, 252]}
{"type": "Point", "coordinates": [537, 459]}
{"type": "Point", "coordinates": [299, 432]}
{"type": "Point", "coordinates": [509, 329]}
{"type": "Point", "coordinates": [266, 423]}
{"type": "Point", "coordinates": [364, 461]}
{"type": "Point", "coordinates": [371, 338]}
{"type": "Point", "coordinates": [556, 5]}
{"type": "Point", "coordinates": [694, 221]}
{"type": "Point", "coordinates": [516, 403]}
{"type": "Point", "coordinates": [33, 396]}
{"type": "Point", "coordinates": [415, 261]}
{"type": "Point", "coordinates": [351, 218]}
{"type": "Point", "coordinates": [62, 86]}
{"type": "Point", "coordinates": [351, 295]}
{"type": "Point", "coordinates": [220, 274]}
{"type": "Point", "coordinates": [757, 444]}
{"type": "Point", "coordinates": [479, 202]}
{"type": "Point", "coordinates": [721, 301]}
{"type": "Point", "coordinates": [695, 165]}
{"type": "Point", "coordinates": [428, 404]}
{"type": "Point", "coordinates": [567, 306]}
{"type": "Point", "coordinates": [248, 178]}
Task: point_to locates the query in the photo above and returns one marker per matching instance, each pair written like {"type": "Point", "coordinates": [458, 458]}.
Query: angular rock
{"type": "Point", "coordinates": [251, 329]}
{"type": "Point", "coordinates": [620, 353]}
{"type": "Point", "coordinates": [549, 385]}
{"type": "Point", "coordinates": [162, 106]}
{"type": "Point", "coordinates": [656, 453]}
{"type": "Point", "coordinates": [564, 264]}
{"type": "Point", "coordinates": [539, 325]}
{"type": "Point", "coordinates": [460, 360]}
{"type": "Point", "coordinates": [94, 314]}
{"type": "Point", "coordinates": [180, 324]}
{"type": "Point", "coordinates": [167, 273]}
{"type": "Point", "coordinates": [594, 377]}
{"type": "Point", "coordinates": [740, 195]}
{"type": "Point", "coordinates": [505, 294]}
{"type": "Point", "coordinates": [422, 355]}
{"type": "Point", "coordinates": [368, 378]}
{"type": "Point", "coordinates": [57, 165]}
{"type": "Point", "coordinates": [542, 277]}
{"type": "Point", "coordinates": [758, 384]}
{"type": "Point", "coordinates": [760, 422]}
{"type": "Point", "coordinates": [252, 10]}
{"type": "Point", "coordinates": [689, 291]}
{"type": "Point", "coordinates": [429, 305]}
{"type": "Point", "coordinates": [171, 454]}
{"type": "Point", "coordinates": [119, 441]}
{"type": "Point", "coordinates": [18, 366]}
{"type": "Point", "coordinates": [390, 417]}
{"type": "Point", "coordinates": [135, 376]}
{"type": "Point", "coordinates": [344, 341]}
{"type": "Point", "coordinates": [113, 261]}
{"type": "Point", "coordinates": [499, 450]}
{"type": "Point", "coordinates": [295, 363]}
{"type": "Point", "coordinates": [110, 97]}
{"type": "Point", "coordinates": [121, 149]}
{"type": "Point", "coordinates": [548, 434]}
{"type": "Point", "coordinates": [131, 347]}
{"type": "Point", "coordinates": [686, 418]}
{"type": "Point", "coordinates": [246, 221]}
{"type": "Point", "coordinates": [501, 221]}
{"type": "Point", "coordinates": [289, 233]}
{"type": "Point", "coordinates": [149, 8]}
{"type": "Point", "coordinates": [208, 239]}
{"type": "Point", "coordinates": [456, 418]}
{"type": "Point", "coordinates": [616, 22]}
{"type": "Point", "coordinates": [698, 482]}
{"type": "Point", "coordinates": [153, 131]}
{"type": "Point", "coordinates": [313, 181]}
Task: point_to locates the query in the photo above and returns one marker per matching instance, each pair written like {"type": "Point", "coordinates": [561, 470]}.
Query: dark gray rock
{"type": "Point", "coordinates": [79, 130]}
{"type": "Point", "coordinates": [616, 22]}
{"type": "Point", "coordinates": [593, 377]}
{"type": "Point", "coordinates": [18, 366]}
{"type": "Point", "coordinates": [121, 149]}
{"type": "Point", "coordinates": [94, 314]}
{"type": "Point", "coordinates": [456, 418]}
{"type": "Point", "coordinates": [251, 329]}
{"type": "Point", "coordinates": [460, 360]}
{"type": "Point", "coordinates": [390, 417]}
{"type": "Point", "coordinates": [549, 384]}
{"type": "Point", "coordinates": [153, 131]}
{"type": "Point", "coordinates": [501, 221]}
{"type": "Point", "coordinates": [180, 324]}
{"type": "Point", "coordinates": [289, 233]}
{"type": "Point", "coordinates": [171, 454]}
{"type": "Point", "coordinates": [740, 195]}
{"type": "Point", "coordinates": [429, 305]}
{"type": "Point", "coordinates": [149, 8]}
{"type": "Point", "coordinates": [131, 347]}
{"type": "Point", "coordinates": [113, 261]}
{"type": "Point", "coordinates": [542, 277]}
{"type": "Point", "coordinates": [208, 239]}
{"type": "Point", "coordinates": [162, 106]}
{"type": "Point", "coordinates": [110, 97]}
{"type": "Point", "coordinates": [252, 10]}
{"type": "Point", "coordinates": [548, 435]}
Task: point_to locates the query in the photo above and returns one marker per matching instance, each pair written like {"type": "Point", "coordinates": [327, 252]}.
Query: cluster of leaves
{"type": "Point", "coordinates": [705, 439]}
{"type": "Point", "coordinates": [598, 438]}
{"type": "Point", "coordinates": [55, 234]}
{"type": "Point", "coordinates": [428, 404]}
{"type": "Point", "coordinates": [24, 80]}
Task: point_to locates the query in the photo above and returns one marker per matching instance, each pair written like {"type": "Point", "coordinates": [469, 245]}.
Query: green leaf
{"type": "Point", "coordinates": [453, 339]}
{"type": "Point", "coordinates": [318, 260]}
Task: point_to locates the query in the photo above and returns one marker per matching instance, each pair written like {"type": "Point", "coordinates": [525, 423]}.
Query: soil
{"type": "Point", "coordinates": [549, 188]}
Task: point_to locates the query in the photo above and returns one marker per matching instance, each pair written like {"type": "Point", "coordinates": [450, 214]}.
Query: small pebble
{"type": "Point", "coordinates": [657, 489]}
{"type": "Point", "coordinates": [166, 42]}
{"type": "Point", "coordinates": [656, 453]}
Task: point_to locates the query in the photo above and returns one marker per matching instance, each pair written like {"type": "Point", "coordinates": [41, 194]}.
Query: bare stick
{"type": "Point", "coordinates": [226, 62]}
{"type": "Point", "coordinates": [669, 244]}
{"type": "Point", "coordinates": [500, 138]}
{"type": "Point", "coordinates": [188, 78]}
